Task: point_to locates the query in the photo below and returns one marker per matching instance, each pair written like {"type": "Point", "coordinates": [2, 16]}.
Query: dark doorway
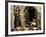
{"type": "Point", "coordinates": [30, 13]}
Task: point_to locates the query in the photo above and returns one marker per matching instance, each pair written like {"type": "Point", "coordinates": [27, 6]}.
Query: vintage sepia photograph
{"type": "Point", "coordinates": [25, 18]}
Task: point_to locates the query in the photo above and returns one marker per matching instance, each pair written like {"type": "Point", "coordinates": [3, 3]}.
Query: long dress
{"type": "Point", "coordinates": [17, 21]}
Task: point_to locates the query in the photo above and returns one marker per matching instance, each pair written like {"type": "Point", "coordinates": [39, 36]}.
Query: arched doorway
{"type": "Point", "coordinates": [30, 16]}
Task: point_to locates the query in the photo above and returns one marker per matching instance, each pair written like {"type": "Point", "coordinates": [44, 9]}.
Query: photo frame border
{"type": "Point", "coordinates": [6, 17]}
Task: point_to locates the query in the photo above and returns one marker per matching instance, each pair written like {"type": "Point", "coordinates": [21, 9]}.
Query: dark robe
{"type": "Point", "coordinates": [17, 21]}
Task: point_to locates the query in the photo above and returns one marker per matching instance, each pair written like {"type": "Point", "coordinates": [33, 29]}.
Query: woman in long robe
{"type": "Point", "coordinates": [17, 21]}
